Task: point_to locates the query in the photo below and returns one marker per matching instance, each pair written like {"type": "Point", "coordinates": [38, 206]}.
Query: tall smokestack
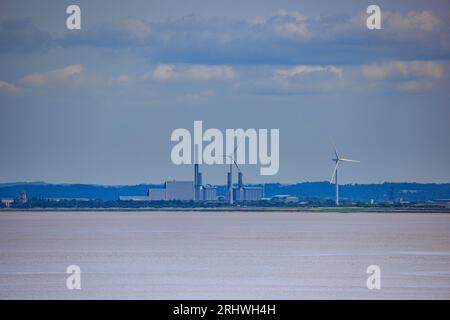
{"type": "Point", "coordinates": [240, 180]}
{"type": "Point", "coordinates": [228, 185]}
{"type": "Point", "coordinates": [196, 175]}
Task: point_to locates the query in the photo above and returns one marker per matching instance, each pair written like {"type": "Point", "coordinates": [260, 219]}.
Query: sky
{"type": "Point", "coordinates": [98, 105]}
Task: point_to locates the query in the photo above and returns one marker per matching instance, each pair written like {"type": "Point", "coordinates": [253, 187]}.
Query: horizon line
{"type": "Point", "coordinates": [2, 184]}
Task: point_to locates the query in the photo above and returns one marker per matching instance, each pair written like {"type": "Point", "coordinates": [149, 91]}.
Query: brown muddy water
{"type": "Point", "coordinates": [232, 255]}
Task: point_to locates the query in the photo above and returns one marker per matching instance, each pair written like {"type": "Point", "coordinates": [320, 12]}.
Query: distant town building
{"type": "Point", "coordinates": [23, 197]}
{"type": "Point", "coordinates": [442, 202]}
{"type": "Point", "coordinates": [7, 202]}
{"type": "Point", "coordinates": [285, 198]}
{"type": "Point", "coordinates": [68, 199]}
{"type": "Point", "coordinates": [134, 198]}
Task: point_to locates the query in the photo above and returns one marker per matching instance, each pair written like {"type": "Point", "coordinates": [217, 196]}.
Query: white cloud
{"type": "Point", "coordinates": [200, 97]}
{"type": "Point", "coordinates": [334, 38]}
{"type": "Point", "coordinates": [136, 29]}
{"type": "Point", "coordinates": [285, 24]}
{"type": "Point", "coordinates": [281, 15]}
{"type": "Point", "coordinates": [122, 79]}
{"type": "Point", "coordinates": [204, 72]}
{"type": "Point", "coordinates": [290, 24]}
{"type": "Point", "coordinates": [53, 77]}
{"type": "Point", "coordinates": [293, 30]}
{"type": "Point", "coordinates": [414, 85]}
{"type": "Point", "coordinates": [306, 69]}
{"type": "Point", "coordinates": [291, 14]}
{"type": "Point", "coordinates": [422, 21]}
{"type": "Point", "coordinates": [405, 69]}
{"type": "Point", "coordinates": [8, 87]}
{"type": "Point", "coordinates": [401, 25]}
{"type": "Point", "coordinates": [164, 72]}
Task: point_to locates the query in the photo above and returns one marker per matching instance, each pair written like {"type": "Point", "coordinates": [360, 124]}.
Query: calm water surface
{"type": "Point", "coordinates": [182, 255]}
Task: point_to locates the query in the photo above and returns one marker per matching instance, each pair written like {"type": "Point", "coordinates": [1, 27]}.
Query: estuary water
{"type": "Point", "coordinates": [225, 255]}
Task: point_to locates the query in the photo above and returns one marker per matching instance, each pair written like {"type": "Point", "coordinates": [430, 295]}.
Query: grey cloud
{"type": "Point", "coordinates": [56, 76]}
{"type": "Point", "coordinates": [122, 34]}
{"type": "Point", "coordinates": [166, 72]}
{"type": "Point", "coordinates": [23, 36]}
{"type": "Point", "coordinates": [286, 37]}
{"type": "Point", "coordinates": [9, 87]}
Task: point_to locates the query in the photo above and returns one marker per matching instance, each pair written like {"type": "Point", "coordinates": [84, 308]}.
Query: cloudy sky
{"type": "Point", "coordinates": [98, 105]}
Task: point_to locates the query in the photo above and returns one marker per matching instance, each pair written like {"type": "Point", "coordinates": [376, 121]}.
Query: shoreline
{"type": "Point", "coordinates": [239, 209]}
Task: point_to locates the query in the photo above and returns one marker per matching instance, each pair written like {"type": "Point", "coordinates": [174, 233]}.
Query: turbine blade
{"type": "Point", "coordinates": [239, 169]}
{"type": "Point", "coordinates": [334, 172]}
{"type": "Point", "coordinates": [237, 145]}
{"type": "Point", "coordinates": [349, 160]}
{"type": "Point", "coordinates": [225, 156]}
{"type": "Point", "coordinates": [334, 147]}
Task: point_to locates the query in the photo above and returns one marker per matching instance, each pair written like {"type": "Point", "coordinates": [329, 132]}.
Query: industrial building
{"type": "Point", "coordinates": [247, 194]}
{"type": "Point", "coordinates": [209, 193]}
{"type": "Point", "coordinates": [196, 191]}
{"type": "Point", "coordinates": [179, 190]}
{"type": "Point", "coordinates": [157, 194]}
{"type": "Point", "coordinates": [243, 193]}
{"type": "Point", "coordinates": [252, 193]}
{"type": "Point", "coordinates": [185, 190]}
{"type": "Point", "coordinates": [173, 190]}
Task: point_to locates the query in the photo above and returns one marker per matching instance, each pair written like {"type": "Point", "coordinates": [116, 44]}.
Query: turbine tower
{"type": "Point", "coordinates": [337, 160]}
{"type": "Point", "coordinates": [231, 156]}
{"type": "Point", "coordinates": [230, 178]}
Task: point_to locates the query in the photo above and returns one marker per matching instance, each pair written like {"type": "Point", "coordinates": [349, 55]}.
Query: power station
{"type": "Point", "coordinates": [197, 191]}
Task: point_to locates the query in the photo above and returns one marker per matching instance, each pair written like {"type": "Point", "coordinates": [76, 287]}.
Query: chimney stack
{"type": "Point", "coordinates": [239, 180]}
{"type": "Point", "coordinates": [196, 175]}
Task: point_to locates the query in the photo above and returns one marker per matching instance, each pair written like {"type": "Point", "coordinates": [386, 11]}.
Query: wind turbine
{"type": "Point", "coordinates": [337, 159]}
{"type": "Point", "coordinates": [230, 173]}
{"type": "Point", "coordinates": [230, 177]}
